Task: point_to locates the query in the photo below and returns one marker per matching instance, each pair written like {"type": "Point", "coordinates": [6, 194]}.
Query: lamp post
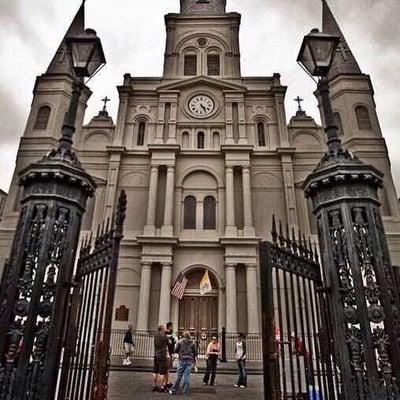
{"type": "Point", "coordinates": [358, 275]}
{"type": "Point", "coordinates": [37, 283]}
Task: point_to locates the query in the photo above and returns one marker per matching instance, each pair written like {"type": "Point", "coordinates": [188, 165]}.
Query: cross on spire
{"type": "Point", "coordinates": [105, 101]}
{"type": "Point", "coordinates": [299, 100]}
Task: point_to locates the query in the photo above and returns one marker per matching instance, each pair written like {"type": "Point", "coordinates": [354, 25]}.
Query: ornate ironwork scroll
{"type": "Point", "coordinates": [85, 367]}
{"type": "Point", "coordinates": [297, 344]}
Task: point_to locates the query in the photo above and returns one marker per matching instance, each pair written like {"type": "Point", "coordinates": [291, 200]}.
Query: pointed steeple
{"type": "Point", "coordinates": [60, 63]}
{"type": "Point", "coordinates": [344, 61]}
{"type": "Point", "coordinates": [203, 6]}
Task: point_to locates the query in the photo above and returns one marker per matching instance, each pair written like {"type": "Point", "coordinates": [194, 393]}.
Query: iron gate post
{"type": "Point", "coordinates": [363, 299]}
{"type": "Point", "coordinates": [270, 362]}
{"type": "Point", "coordinates": [37, 286]}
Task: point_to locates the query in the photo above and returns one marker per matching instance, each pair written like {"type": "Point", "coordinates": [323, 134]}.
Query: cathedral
{"type": "Point", "coordinates": [207, 157]}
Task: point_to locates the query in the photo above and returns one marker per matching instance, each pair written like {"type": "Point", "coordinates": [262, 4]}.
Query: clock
{"type": "Point", "coordinates": [201, 105]}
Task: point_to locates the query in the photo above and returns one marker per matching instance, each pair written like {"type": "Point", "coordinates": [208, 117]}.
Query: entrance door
{"type": "Point", "coordinates": [199, 316]}
{"type": "Point", "coordinates": [198, 313]}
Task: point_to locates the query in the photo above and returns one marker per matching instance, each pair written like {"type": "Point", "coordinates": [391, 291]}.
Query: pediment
{"type": "Point", "coordinates": [201, 80]}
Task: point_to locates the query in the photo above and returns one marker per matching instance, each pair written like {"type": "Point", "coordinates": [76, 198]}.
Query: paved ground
{"type": "Point", "coordinates": [128, 384]}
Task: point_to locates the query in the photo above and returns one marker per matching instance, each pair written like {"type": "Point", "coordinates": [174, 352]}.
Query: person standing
{"type": "Point", "coordinates": [161, 359]}
{"type": "Point", "coordinates": [186, 350]}
{"type": "Point", "coordinates": [212, 354]}
{"type": "Point", "coordinates": [171, 348]}
{"type": "Point", "coordinates": [128, 345]}
{"type": "Point", "coordinates": [240, 351]}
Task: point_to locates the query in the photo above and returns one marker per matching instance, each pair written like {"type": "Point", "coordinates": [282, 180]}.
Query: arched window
{"type": "Point", "coordinates": [213, 64]}
{"type": "Point", "coordinates": [209, 217]}
{"type": "Point", "coordinates": [42, 118]}
{"type": "Point", "coordinates": [141, 133]}
{"type": "Point", "coordinates": [261, 134]}
{"type": "Point", "coordinates": [200, 140]}
{"type": "Point", "coordinates": [190, 64]}
{"type": "Point", "coordinates": [338, 122]}
{"type": "Point", "coordinates": [185, 140]}
{"type": "Point", "coordinates": [216, 140]}
{"type": "Point", "coordinates": [189, 213]}
{"type": "Point", "coordinates": [363, 119]}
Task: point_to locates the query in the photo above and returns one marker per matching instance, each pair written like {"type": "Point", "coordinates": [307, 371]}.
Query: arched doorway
{"type": "Point", "coordinates": [199, 314]}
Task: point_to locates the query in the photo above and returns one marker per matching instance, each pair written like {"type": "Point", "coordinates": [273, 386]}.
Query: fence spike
{"type": "Point", "coordinates": [274, 232]}
{"type": "Point", "coordinates": [288, 242]}
{"type": "Point", "coordinates": [294, 242]}
{"type": "Point", "coordinates": [281, 239]}
{"type": "Point", "coordinates": [311, 248]}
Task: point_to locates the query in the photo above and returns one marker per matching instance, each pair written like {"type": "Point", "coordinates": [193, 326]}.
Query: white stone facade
{"type": "Point", "coordinates": [235, 148]}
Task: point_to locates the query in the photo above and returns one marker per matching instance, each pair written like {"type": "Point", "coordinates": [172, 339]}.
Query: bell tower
{"type": "Point", "coordinates": [202, 40]}
{"type": "Point", "coordinates": [203, 6]}
{"type": "Point", "coordinates": [352, 96]}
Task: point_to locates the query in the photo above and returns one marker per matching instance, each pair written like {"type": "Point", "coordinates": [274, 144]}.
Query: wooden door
{"type": "Point", "coordinates": [197, 313]}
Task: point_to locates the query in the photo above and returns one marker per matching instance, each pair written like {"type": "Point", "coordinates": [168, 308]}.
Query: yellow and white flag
{"type": "Point", "coordinates": [205, 284]}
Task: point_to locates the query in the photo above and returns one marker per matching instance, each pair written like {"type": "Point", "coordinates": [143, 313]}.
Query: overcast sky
{"type": "Point", "coordinates": [133, 34]}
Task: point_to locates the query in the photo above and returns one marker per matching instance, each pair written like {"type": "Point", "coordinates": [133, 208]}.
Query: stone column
{"type": "Point", "coordinates": [253, 325]}
{"type": "Point", "coordinates": [144, 298]}
{"type": "Point", "coordinates": [167, 229]}
{"type": "Point", "coordinates": [230, 203]}
{"type": "Point", "coordinates": [231, 299]}
{"type": "Point", "coordinates": [247, 203]}
{"type": "Point", "coordinates": [165, 294]}
{"type": "Point", "coordinates": [150, 228]}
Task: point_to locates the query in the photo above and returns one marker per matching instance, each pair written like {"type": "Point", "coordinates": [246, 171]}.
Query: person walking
{"type": "Point", "coordinates": [212, 354]}
{"type": "Point", "coordinates": [186, 350]}
{"type": "Point", "coordinates": [240, 351]}
{"type": "Point", "coordinates": [161, 359]}
{"type": "Point", "coordinates": [128, 346]}
{"type": "Point", "coordinates": [171, 349]}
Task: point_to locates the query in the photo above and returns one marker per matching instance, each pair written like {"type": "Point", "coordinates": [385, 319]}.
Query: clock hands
{"type": "Point", "coordinates": [203, 107]}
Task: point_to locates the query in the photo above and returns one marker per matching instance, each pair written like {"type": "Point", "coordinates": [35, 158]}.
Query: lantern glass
{"type": "Point", "coordinates": [317, 52]}
{"type": "Point", "coordinates": [87, 53]}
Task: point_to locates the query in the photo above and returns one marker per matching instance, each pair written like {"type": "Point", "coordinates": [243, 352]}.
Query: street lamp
{"type": "Point", "coordinates": [86, 55]}
{"type": "Point", "coordinates": [315, 57]}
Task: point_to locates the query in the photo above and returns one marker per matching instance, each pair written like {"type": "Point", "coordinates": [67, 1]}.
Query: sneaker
{"type": "Point", "coordinates": [242, 386]}
{"type": "Point", "coordinates": [236, 385]}
{"type": "Point", "coordinates": [204, 383]}
{"type": "Point", "coordinates": [170, 392]}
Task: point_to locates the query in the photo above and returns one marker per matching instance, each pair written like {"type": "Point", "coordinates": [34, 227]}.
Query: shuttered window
{"type": "Point", "coordinates": [261, 134]}
{"type": "Point", "coordinates": [42, 118]}
{"type": "Point", "coordinates": [363, 119]}
{"type": "Point", "coordinates": [190, 67]}
{"type": "Point", "coordinates": [141, 133]}
{"type": "Point", "coordinates": [213, 64]}
{"type": "Point", "coordinates": [200, 140]}
{"type": "Point", "coordinates": [189, 213]}
{"type": "Point", "coordinates": [210, 220]}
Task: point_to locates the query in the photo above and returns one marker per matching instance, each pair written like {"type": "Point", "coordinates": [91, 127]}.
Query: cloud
{"type": "Point", "coordinates": [133, 36]}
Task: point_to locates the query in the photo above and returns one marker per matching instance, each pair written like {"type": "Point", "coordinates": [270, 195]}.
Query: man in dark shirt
{"type": "Point", "coordinates": [161, 359]}
{"type": "Point", "coordinates": [128, 345]}
{"type": "Point", "coordinates": [171, 349]}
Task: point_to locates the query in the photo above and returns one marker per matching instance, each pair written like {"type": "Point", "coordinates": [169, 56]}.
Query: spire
{"type": "Point", "coordinates": [60, 63]}
{"type": "Point", "coordinates": [344, 61]}
{"type": "Point", "coordinates": [203, 6]}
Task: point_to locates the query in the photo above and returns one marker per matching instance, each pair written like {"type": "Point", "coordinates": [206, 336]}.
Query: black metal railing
{"type": "Point", "coordinates": [144, 344]}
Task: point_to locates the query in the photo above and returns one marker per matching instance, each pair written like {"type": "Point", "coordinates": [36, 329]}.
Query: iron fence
{"type": "Point", "coordinates": [144, 344]}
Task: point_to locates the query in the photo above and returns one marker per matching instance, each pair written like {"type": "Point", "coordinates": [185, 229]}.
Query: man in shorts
{"type": "Point", "coordinates": [161, 359]}
{"type": "Point", "coordinates": [171, 349]}
{"type": "Point", "coordinates": [128, 345]}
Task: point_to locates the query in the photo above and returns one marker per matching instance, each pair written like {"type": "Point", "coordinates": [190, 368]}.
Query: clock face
{"type": "Point", "coordinates": [201, 105]}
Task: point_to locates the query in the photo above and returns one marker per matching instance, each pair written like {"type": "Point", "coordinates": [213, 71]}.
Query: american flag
{"type": "Point", "coordinates": [179, 286]}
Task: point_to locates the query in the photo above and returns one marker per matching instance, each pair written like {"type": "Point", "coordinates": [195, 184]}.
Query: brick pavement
{"type": "Point", "coordinates": [128, 384]}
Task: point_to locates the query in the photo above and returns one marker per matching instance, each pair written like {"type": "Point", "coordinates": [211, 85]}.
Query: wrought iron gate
{"type": "Point", "coordinates": [84, 372]}
{"type": "Point", "coordinates": [296, 335]}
